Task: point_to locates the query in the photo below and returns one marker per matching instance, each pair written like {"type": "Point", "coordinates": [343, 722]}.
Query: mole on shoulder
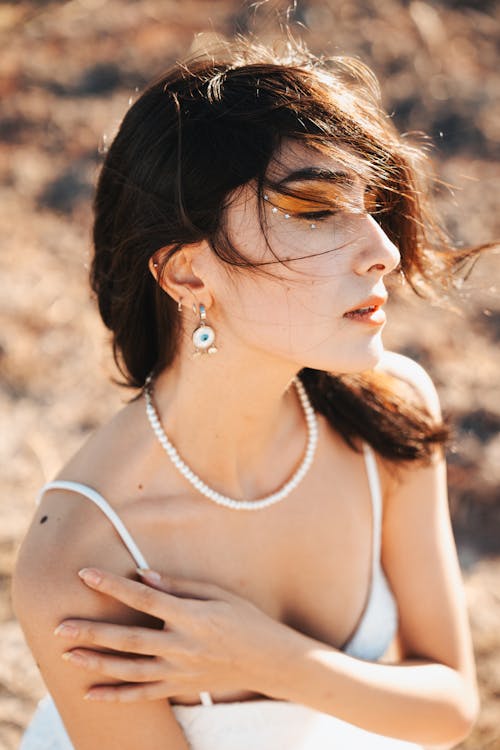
{"type": "Point", "coordinates": [43, 519]}
{"type": "Point", "coordinates": [139, 486]}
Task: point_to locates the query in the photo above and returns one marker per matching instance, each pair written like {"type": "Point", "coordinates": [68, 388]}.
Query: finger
{"type": "Point", "coordinates": [130, 639]}
{"type": "Point", "coordinates": [133, 593]}
{"type": "Point", "coordinates": [184, 587]}
{"type": "Point", "coordinates": [123, 668]}
{"type": "Point", "coordinates": [129, 693]}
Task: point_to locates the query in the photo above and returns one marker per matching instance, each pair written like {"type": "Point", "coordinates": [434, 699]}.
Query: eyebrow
{"type": "Point", "coordinates": [338, 177]}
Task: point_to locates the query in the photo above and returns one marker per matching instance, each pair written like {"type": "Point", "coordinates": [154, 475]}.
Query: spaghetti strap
{"type": "Point", "coordinates": [106, 508]}
{"type": "Point", "coordinates": [91, 494]}
{"type": "Point", "coordinates": [378, 623]}
{"type": "Point", "coordinates": [376, 497]}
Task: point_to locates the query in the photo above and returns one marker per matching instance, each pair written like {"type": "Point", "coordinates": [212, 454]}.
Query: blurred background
{"type": "Point", "coordinates": [68, 72]}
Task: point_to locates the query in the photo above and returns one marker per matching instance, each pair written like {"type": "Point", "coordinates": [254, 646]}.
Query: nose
{"type": "Point", "coordinates": [377, 250]}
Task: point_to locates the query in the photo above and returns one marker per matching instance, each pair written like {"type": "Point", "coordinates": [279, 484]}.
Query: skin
{"type": "Point", "coordinates": [236, 620]}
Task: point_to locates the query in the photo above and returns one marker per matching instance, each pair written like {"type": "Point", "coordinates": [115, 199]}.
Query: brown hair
{"type": "Point", "coordinates": [162, 184]}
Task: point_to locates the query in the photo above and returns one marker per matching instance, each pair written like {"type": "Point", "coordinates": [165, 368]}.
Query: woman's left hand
{"type": "Point", "coordinates": [212, 639]}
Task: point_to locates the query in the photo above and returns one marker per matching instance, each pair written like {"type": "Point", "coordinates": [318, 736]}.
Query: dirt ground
{"type": "Point", "coordinates": [68, 71]}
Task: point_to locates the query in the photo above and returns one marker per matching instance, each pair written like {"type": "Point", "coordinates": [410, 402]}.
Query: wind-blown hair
{"type": "Point", "coordinates": [212, 125]}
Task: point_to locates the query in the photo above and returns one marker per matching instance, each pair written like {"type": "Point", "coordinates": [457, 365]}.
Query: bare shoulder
{"type": "Point", "coordinates": [109, 456]}
{"type": "Point", "coordinates": [46, 589]}
{"type": "Point", "coordinates": [66, 534]}
{"type": "Point", "coordinates": [69, 532]}
{"type": "Point", "coordinates": [410, 373]}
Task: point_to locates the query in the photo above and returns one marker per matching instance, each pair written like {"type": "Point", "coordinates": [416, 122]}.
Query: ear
{"type": "Point", "coordinates": [183, 275]}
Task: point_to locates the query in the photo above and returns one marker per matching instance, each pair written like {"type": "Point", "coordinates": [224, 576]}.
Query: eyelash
{"type": "Point", "coordinates": [315, 215]}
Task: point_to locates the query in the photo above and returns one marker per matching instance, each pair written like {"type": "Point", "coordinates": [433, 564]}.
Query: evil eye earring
{"type": "Point", "coordinates": [275, 210]}
{"type": "Point", "coordinates": [203, 335]}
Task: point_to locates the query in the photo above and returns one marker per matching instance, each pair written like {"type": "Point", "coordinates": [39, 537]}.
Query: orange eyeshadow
{"type": "Point", "coordinates": [313, 198]}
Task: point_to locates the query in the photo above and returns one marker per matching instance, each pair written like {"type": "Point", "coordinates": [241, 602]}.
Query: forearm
{"type": "Point", "coordinates": [416, 701]}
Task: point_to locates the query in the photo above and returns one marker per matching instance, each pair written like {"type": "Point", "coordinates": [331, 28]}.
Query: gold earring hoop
{"type": "Point", "coordinates": [204, 334]}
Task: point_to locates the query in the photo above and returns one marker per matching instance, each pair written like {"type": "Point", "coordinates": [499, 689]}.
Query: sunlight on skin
{"type": "Point", "coordinates": [313, 275]}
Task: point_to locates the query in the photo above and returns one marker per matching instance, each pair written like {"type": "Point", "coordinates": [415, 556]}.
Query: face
{"type": "Point", "coordinates": [335, 256]}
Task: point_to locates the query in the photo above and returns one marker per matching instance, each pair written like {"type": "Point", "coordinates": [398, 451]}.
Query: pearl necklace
{"type": "Point", "coordinates": [216, 497]}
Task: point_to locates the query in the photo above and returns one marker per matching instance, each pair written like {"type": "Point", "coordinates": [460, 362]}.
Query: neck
{"type": "Point", "coordinates": [241, 427]}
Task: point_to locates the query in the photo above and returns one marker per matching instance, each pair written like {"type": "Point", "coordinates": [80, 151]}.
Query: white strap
{"type": "Point", "coordinates": [106, 508]}
{"type": "Point", "coordinates": [376, 496]}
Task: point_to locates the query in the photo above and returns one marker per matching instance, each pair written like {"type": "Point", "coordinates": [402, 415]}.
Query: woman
{"type": "Point", "coordinates": [247, 217]}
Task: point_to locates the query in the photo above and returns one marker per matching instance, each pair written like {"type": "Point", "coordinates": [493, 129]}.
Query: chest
{"type": "Point", "coordinates": [305, 561]}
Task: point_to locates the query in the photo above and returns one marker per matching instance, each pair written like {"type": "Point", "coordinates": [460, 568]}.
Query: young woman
{"type": "Point", "coordinates": [281, 473]}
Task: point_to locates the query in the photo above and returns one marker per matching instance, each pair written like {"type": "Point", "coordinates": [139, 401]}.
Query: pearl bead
{"type": "Point", "coordinates": [228, 502]}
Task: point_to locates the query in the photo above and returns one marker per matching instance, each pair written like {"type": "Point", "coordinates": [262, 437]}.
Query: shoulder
{"type": "Point", "coordinates": [110, 452]}
{"type": "Point", "coordinates": [67, 532]}
{"type": "Point", "coordinates": [409, 381]}
{"type": "Point", "coordinates": [46, 589]}
{"type": "Point", "coordinates": [415, 381]}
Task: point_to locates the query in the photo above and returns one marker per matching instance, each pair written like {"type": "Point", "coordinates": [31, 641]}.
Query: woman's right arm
{"type": "Point", "coordinates": [46, 589]}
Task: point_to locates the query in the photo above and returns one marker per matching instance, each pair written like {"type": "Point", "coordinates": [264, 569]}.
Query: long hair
{"type": "Point", "coordinates": [207, 127]}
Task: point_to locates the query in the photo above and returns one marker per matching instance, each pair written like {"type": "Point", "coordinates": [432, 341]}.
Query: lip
{"type": "Point", "coordinates": [373, 301]}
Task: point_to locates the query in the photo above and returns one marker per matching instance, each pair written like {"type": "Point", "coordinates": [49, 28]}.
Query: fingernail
{"type": "Point", "coordinates": [68, 631]}
{"type": "Point", "coordinates": [98, 696]}
{"type": "Point", "coordinates": [150, 575]}
{"type": "Point", "coordinates": [73, 657]}
{"type": "Point", "coordinates": [90, 575]}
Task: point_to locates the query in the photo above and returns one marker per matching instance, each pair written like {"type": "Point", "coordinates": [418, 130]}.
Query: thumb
{"type": "Point", "coordinates": [183, 587]}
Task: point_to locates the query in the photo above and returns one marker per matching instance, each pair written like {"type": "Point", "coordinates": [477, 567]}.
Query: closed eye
{"type": "Point", "coordinates": [316, 215]}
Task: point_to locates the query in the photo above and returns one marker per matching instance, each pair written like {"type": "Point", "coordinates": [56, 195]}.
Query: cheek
{"type": "Point", "coordinates": [285, 317]}
{"type": "Point", "coordinates": [318, 256]}
{"type": "Point", "coordinates": [257, 305]}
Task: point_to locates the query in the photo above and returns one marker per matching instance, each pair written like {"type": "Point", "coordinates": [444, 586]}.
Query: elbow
{"type": "Point", "coordinates": [453, 721]}
{"type": "Point", "coordinates": [467, 716]}
{"type": "Point", "coordinates": [461, 720]}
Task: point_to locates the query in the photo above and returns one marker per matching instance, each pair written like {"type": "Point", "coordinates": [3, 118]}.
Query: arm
{"type": "Point", "coordinates": [46, 589]}
{"type": "Point", "coordinates": [430, 697]}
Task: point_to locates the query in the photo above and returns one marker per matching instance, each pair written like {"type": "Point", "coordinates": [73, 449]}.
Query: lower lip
{"type": "Point", "coordinates": [374, 318]}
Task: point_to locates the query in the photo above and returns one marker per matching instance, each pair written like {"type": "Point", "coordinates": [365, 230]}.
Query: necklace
{"type": "Point", "coordinates": [216, 497]}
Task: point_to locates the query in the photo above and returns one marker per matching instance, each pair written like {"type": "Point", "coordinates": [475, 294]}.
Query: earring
{"type": "Point", "coordinates": [203, 335]}
{"type": "Point", "coordinates": [179, 305]}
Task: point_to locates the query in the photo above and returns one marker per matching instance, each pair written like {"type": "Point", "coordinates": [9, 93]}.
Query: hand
{"type": "Point", "coordinates": [212, 639]}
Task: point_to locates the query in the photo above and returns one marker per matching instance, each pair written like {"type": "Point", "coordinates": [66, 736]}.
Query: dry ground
{"type": "Point", "coordinates": [67, 72]}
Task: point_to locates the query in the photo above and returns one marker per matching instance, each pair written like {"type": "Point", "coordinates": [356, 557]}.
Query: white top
{"type": "Point", "coordinates": [259, 724]}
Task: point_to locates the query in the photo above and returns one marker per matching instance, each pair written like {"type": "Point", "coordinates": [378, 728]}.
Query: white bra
{"type": "Point", "coordinates": [378, 623]}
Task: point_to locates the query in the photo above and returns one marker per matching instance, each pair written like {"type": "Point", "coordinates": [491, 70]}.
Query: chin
{"type": "Point", "coordinates": [356, 360]}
